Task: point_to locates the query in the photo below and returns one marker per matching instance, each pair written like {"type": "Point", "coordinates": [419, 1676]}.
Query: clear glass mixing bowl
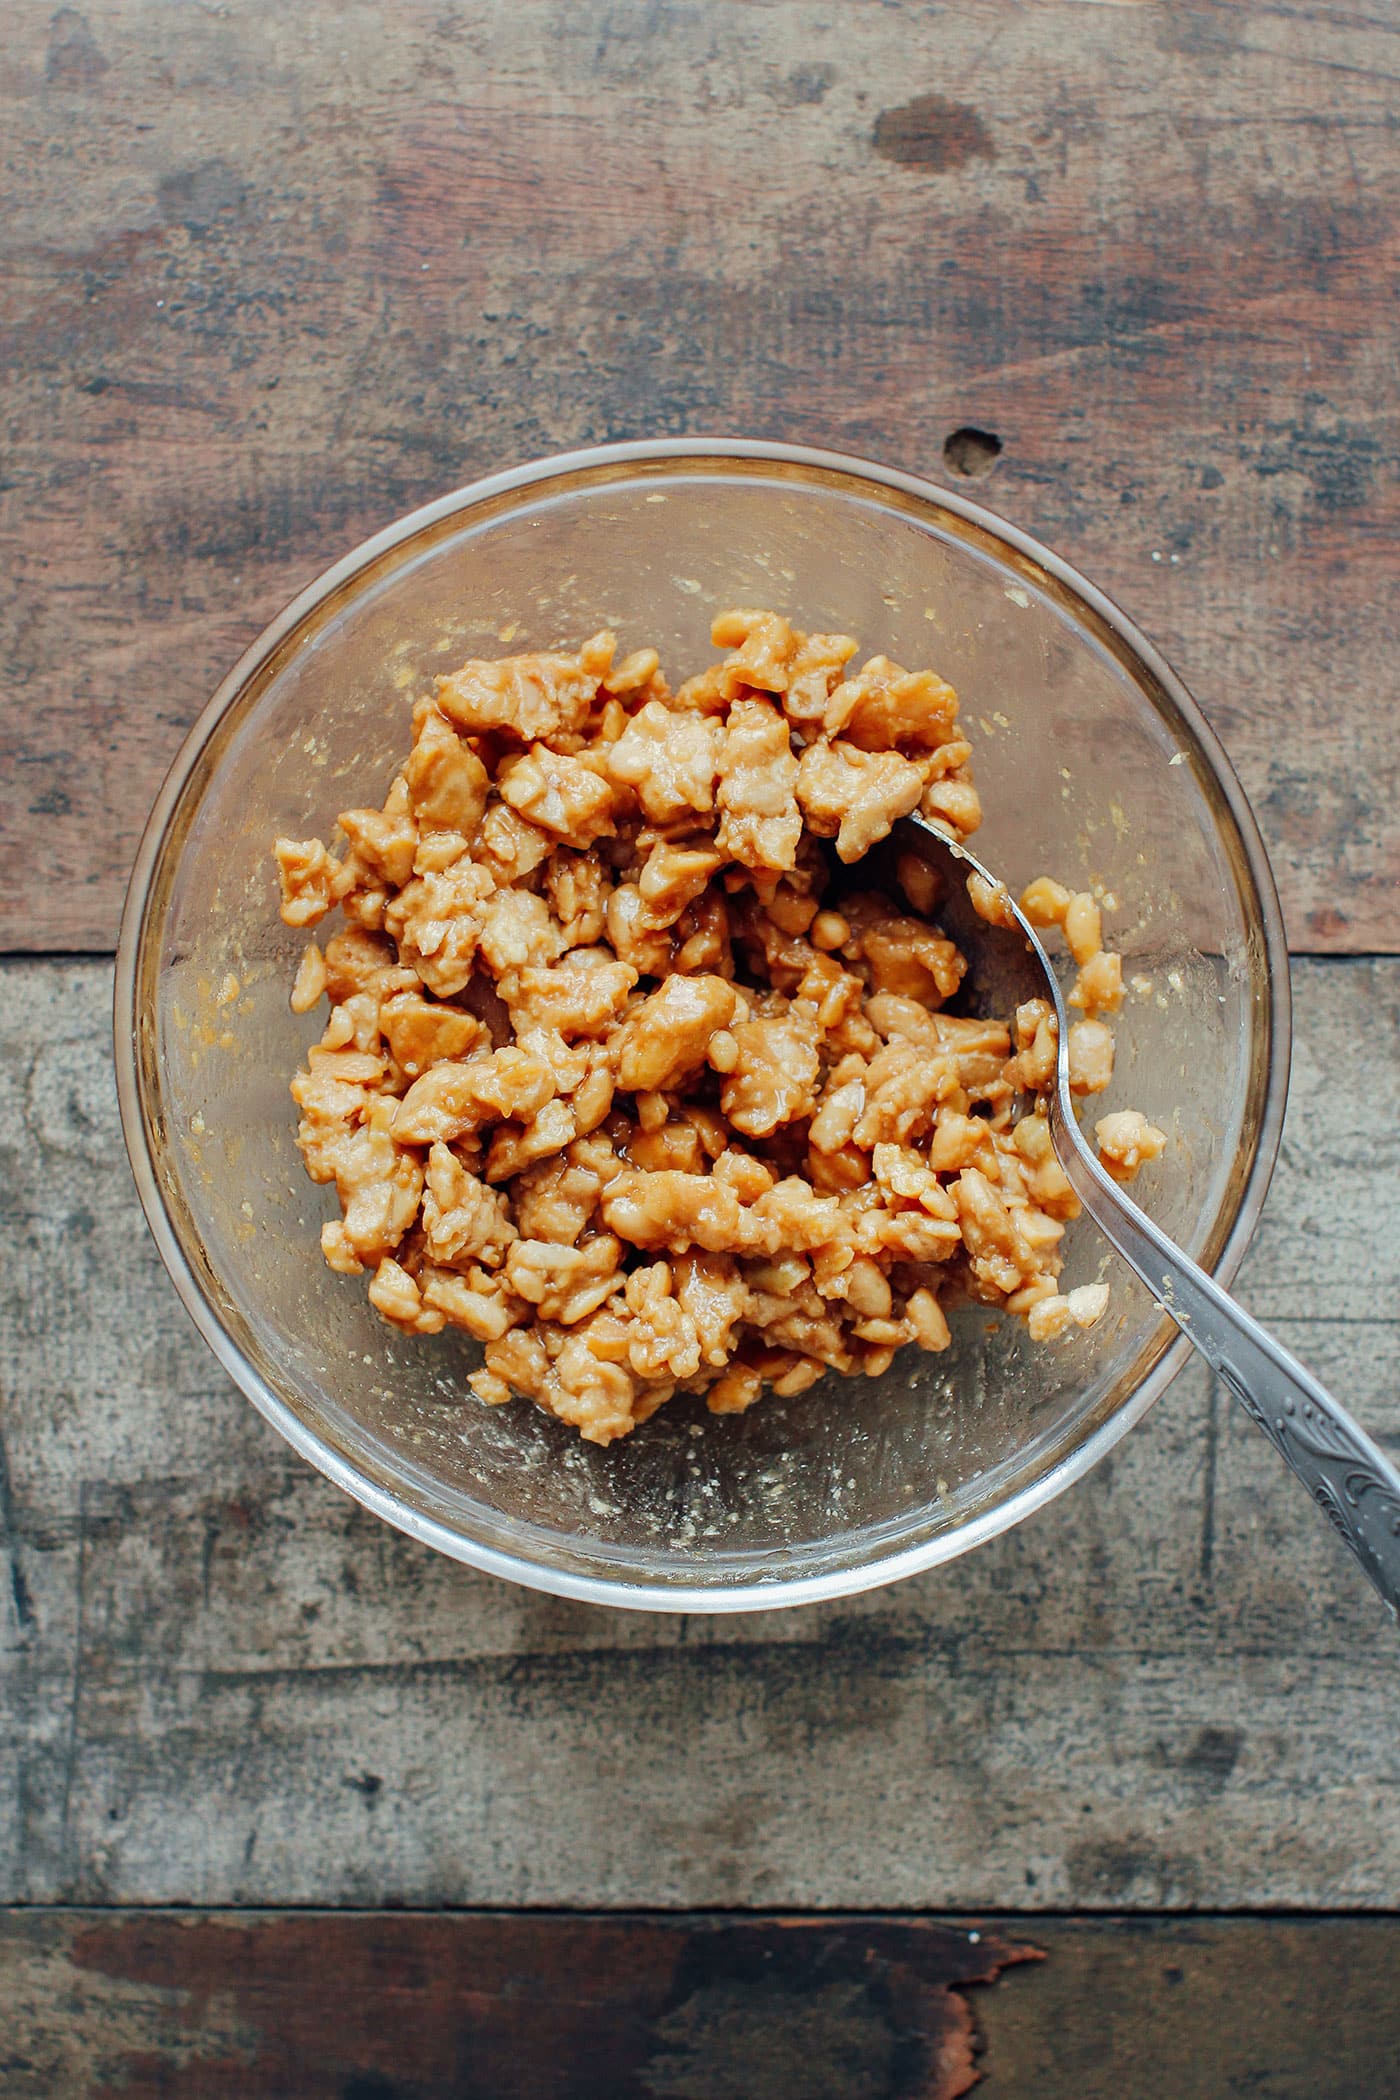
{"type": "Point", "coordinates": [1093, 763]}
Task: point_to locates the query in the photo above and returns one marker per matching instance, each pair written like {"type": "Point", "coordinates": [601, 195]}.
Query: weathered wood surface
{"type": "Point", "coordinates": [273, 275]}
{"type": "Point", "coordinates": [1160, 2009]}
{"type": "Point", "coordinates": [222, 1682]}
{"type": "Point", "coordinates": [351, 2007]}
{"type": "Point", "coordinates": [524, 2007]}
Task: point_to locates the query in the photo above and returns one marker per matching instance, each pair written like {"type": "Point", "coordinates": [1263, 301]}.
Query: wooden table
{"type": "Point", "coordinates": [288, 1806]}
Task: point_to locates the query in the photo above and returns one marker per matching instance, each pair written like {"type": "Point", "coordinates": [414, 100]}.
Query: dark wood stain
{"type": "Point", "coordinates": [74, 59]}
{"type": "Point", "coordinates": [931, 132]}
{"type": "Point", "coordinates": [195, 197]}
{"type": "Point", "coordinates": [1212, 1756]}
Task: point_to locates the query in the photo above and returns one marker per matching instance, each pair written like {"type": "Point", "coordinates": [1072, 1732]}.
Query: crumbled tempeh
{"type": "Point", "coordinates": [760, 822]}
{"type": "Point", "coordinates": [670, 759]}
{"type": "Point", "coordinates": [668, 1035]}
{"type": "Point", "coordinates": [1127, 1141]}
{"type": "Point", "coordinates": [615, 1081]}
{"type": "Point", "coordinates": [522, 697]}
{"type": "Point", "coordinates": [855, 796]}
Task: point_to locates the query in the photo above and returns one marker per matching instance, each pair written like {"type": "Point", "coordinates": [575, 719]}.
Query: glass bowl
{"type": "Point", "coordinates": [1094, 764]}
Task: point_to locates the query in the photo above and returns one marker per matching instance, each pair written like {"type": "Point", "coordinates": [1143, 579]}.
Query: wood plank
{"type": "Point", "coordinates": [222, 1681]}
{"type": "Point", "coordinates": [272, 280]}
{"type": "Point", "coordinates": [532, 2008]}
{"type": "Point", "coordinates": [394, 2006]}
{"type": "Point", "coordinates": [1165, 2009]}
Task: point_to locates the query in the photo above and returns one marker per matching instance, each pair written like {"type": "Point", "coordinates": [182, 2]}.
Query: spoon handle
{"type": "Point", "coordinates": [1346, 1474]}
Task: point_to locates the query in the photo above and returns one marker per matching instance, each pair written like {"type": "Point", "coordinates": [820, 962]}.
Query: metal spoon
{"type": "Point", "coordinates": [1342, 1469]}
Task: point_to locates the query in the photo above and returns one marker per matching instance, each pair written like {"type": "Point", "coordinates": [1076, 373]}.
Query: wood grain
{"type": "Point", "coordinates": [222, 1682]}
{"type": "Point", "coordinates": [1166, 2009]}
{"type": "Point", "coordinates": [272, 277]}
{"type": "Point", "coordinates": [349, 2006]}
{"type": "Point", "coordinates": [518, 2008]}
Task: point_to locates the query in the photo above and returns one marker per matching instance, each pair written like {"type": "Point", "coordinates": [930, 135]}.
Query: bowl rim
{"type": "Point", "coordinates": [778, 1591]}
